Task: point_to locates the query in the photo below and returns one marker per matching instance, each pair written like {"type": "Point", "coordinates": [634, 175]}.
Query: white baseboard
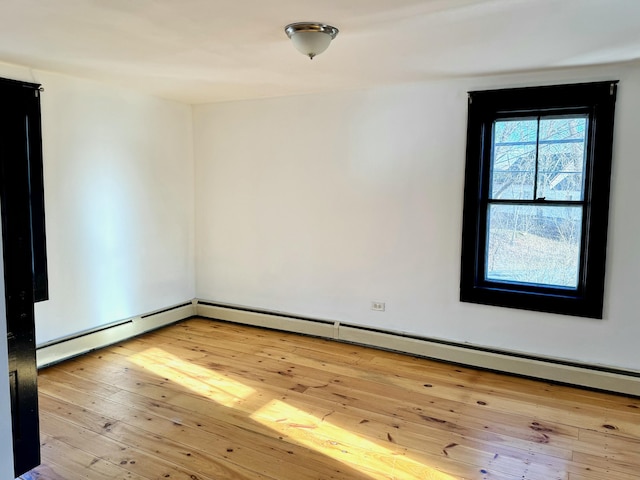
{"type": "Point", "coordinates": [84, 342]}
{"type": "Point", "coordinates": [612, 380]}
{"type": "Point", "coordinates": [267, 320]}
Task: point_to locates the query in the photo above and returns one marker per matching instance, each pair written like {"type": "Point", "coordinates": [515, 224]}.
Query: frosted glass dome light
{"type": "Point", "coordinates": [309, 38]}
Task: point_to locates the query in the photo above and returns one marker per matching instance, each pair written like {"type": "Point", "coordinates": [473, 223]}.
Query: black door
{"type": "Point", "coordinates": [22, 209]}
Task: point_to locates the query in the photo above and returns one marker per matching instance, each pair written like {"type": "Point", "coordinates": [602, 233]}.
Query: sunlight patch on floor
{"type": "Point", "coordinates": [340, 444]}
{"type": "Point", "coordinates": [200, 380]}
{"type": "Point", "coordinates": [298, 426]}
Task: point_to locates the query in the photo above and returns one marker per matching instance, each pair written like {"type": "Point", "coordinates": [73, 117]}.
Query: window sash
{"type": "Point", "coordinates": [486, 200]}
{"type": "Point", "coordinates": [537, 143]}
{"type": "Point", "coordinates": [545, 225]}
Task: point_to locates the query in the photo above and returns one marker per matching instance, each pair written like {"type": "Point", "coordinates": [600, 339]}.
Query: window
{"type": "Point", "coordinates": [536, 197]}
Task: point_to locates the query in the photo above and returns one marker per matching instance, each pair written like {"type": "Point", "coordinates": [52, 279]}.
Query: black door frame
{"type": "Point", "coordinates": [22, 218]}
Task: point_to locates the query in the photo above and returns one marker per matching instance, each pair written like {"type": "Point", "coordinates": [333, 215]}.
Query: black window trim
{"type": "Point", "coordinates": [598, 101]}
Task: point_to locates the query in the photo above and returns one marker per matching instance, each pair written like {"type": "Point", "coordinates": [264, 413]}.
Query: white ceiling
{"type": "Point", "coordinates": [199, 51]}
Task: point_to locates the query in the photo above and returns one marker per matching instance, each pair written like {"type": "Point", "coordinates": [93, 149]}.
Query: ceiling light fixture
{"type": "Point", "coordinates": [311, 38]}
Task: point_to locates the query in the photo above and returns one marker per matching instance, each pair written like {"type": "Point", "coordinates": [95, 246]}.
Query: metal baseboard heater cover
{"type": "Point", "coordinates": [84, 342]}
{"type": "Point", "coordinates": [594, 377]}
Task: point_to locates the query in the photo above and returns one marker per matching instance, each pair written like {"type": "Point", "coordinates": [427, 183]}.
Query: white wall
{"type": "Point", "coordinates": [118, 170]}
{"type": "Point", "coordinates": [316, 205]}
{"type": "Point", "coordinates": [119, 205]}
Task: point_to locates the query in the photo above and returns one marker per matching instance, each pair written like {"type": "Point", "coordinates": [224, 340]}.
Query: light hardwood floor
{"type": "Point", "coordinates": [210, 400]}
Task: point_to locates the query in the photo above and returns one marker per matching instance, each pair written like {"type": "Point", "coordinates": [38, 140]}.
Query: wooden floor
{"type": "Point", "coordinates": [208, 400]}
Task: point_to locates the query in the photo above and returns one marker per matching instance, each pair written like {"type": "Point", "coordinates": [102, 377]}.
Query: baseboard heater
{"type": "Point", "coordinates": [68, 347]}
{"type": "Point", "coordinates": [555, 370]}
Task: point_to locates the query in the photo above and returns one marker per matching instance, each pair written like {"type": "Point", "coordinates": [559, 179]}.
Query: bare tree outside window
{"type": "Point", "coordinates": [536, 159]}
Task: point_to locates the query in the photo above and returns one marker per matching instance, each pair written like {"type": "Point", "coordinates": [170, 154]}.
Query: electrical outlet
{"type": "Point", "coordinates": [377, 306]}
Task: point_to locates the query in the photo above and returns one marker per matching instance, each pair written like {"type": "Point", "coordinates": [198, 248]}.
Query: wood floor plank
{"type": "Point", "coordinates": [446, 436]}
{"type": "Point", "coordinates": [211, 400]}
{"type": "Point", "coordinates": [77, 464]}
{"type": "Point", "coordinates": [447, 385]}
{"type": "Point", "coordinates": [108, 449]}
{"type": "Point", "coordinates": [133, 410]}
{"type": "Point", "coordinates": [434, 417]}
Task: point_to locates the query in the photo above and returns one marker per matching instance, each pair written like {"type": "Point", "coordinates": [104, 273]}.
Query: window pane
{"type": "Point", "coordinates": [534, 244]}
{"type": "Point", "coordinates": [561, 158]}
{"type": "Point", "coordinates": [513, 159]}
